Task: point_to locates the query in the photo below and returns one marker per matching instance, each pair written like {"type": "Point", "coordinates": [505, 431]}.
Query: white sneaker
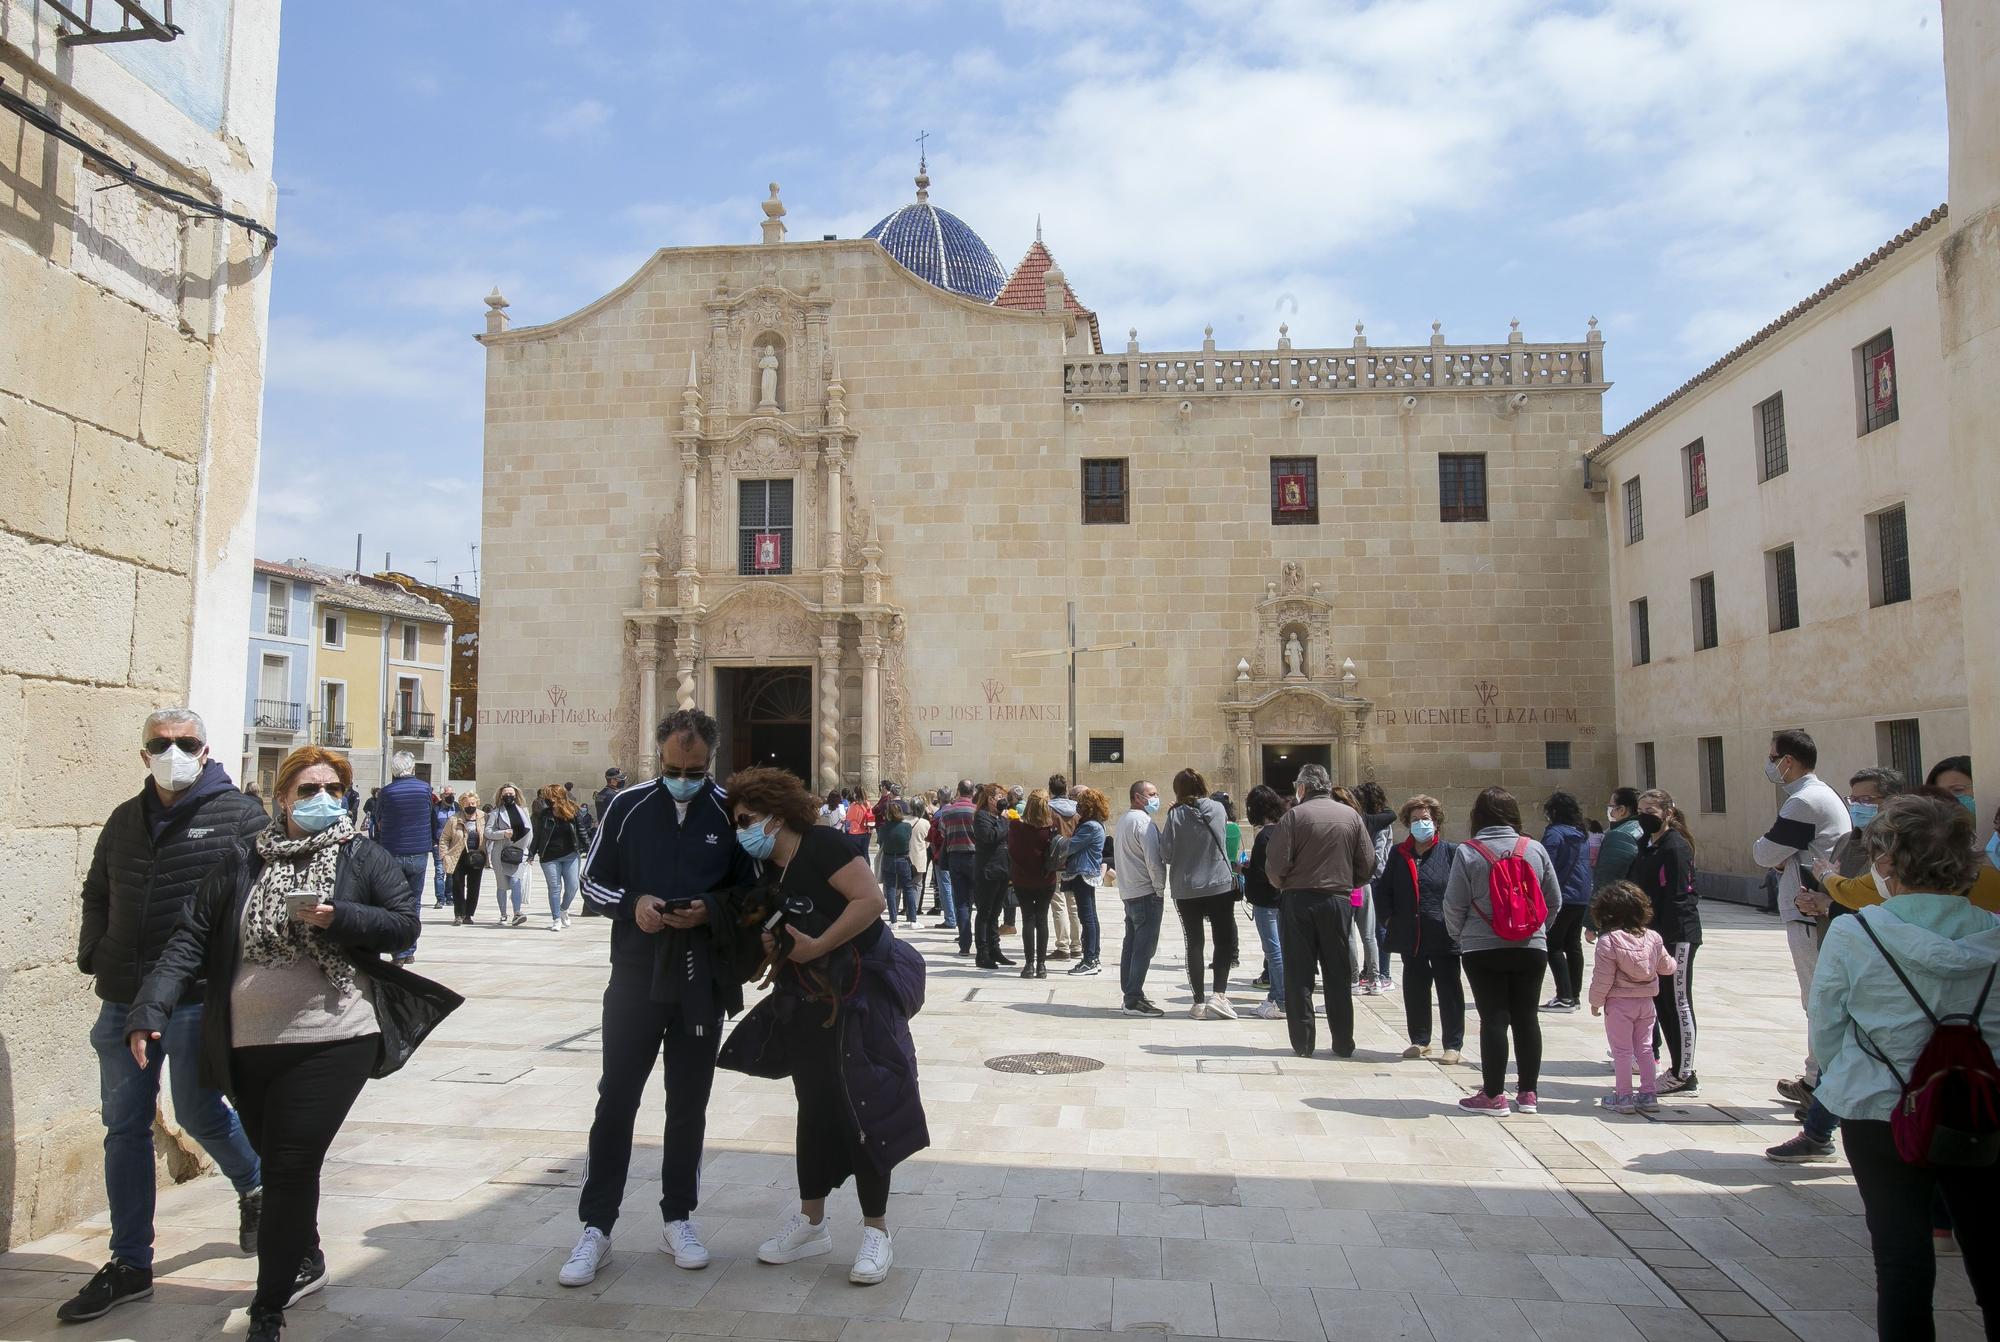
{"type": "Point", "coordinates": [1199, 1011]}
{"type": "Point", "coordinates": [1268, 1010]}
{"type": "Point", "coordinates": [1221, 1007]}
{"type": "Point", "coordinates": [800, 1238]}
{"type": "Point", "coordinates": [682, 1239]}
{"type": "Point", "coordinates": [872, 1263]}
{"type": "Point", "coordinates": [592, 1248]}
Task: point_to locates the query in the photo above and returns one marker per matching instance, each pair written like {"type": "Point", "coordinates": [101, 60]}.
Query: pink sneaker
{"type": "Point", "coordinates": [1479, 1102]}
{"type": "Point", "coordinates": [1525, 1103]}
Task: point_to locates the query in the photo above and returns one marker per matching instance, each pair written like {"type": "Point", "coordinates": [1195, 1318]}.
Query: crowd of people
{"type": "Point", "coordinates": [266, 953]}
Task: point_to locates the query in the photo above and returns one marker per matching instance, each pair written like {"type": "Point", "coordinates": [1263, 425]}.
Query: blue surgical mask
{"type": "Point", "coordinates": [1967, 800]}
{"type": "Point", "coordinates": [684, 789]}
{"type": "Point", "coordinates": [757, 841]}
{"type": "Point", "coordinates": [1423, 831]}
{"type": "Point", "coordinates": [1993, 848]}
{"type": "Point", "coordinates": [1152, 806]}
{"type": "Point", "coordinates": [1861, 812]}
{"type": "Point", "coordinates": [317, 812]}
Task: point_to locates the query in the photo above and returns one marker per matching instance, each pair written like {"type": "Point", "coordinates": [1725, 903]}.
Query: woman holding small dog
{"type": "Point", "coordinates": [837, 1019]}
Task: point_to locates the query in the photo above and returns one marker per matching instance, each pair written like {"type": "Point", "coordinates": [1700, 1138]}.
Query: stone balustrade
{"type": "Point", "coordinates": [1434, 367]}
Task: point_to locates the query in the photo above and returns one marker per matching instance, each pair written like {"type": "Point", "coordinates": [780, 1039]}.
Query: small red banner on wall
{"type": "Point", "coordinates": [770, 551]}
{"type": "Point", "coordinates": [1292, 494]}
{"type": "Point", "coordinates": [1882, 382]}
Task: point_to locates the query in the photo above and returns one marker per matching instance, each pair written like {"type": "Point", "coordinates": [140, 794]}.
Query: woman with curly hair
{"type": "Point", "coordinates": [1083, 870]}
{"type": "Point", "coordinates": [837, 1017]}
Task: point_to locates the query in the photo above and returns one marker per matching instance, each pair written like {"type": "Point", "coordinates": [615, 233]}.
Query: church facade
{"type": "Point", "coordinates": [845, 494]}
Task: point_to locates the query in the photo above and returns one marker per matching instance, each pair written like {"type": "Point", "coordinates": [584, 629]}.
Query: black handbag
{"type": "Point", "coordinates": [513, 855]}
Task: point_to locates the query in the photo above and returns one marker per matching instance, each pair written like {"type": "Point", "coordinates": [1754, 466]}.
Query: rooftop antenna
{"type": "Point", "coordinates": [357, 552]}
{"type": "Point", "coordinates": [434, 569]}
{"type": "Point", "coordinates": [475, 569]}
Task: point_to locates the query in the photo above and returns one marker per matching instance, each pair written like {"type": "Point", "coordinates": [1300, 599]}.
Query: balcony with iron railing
{"type": "Point", "coordinates": [333, 734]}
{"type": "Point", "coordinates": [277, 715]}
{"type": "Point", "coordinates": [411, 725]}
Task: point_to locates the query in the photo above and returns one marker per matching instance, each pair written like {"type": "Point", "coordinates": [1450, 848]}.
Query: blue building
{"type": "Point", "coordinates": [277, 711]}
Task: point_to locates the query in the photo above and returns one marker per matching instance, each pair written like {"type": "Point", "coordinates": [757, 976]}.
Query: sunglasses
{"type": "Point", "coordinates": [748, 821]}
{"type": "Point", "coordinates": [314, 789]}
{"type": "Point", "coordinates": [189, 745]}
{"type": "Point", "coordinates": [685, 773]}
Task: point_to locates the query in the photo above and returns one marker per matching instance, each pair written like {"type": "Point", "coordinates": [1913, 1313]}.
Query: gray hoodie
{"type": "Point", "coordinates": [1467, 915]}
{"type": "Point", "coordinates": [1193, 842]}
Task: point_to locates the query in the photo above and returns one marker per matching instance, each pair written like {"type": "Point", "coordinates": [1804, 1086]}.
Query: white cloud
{"type": "Point", "coordinates": [308, 360]}
{"type": "Point", "coordinates": [575, 120]}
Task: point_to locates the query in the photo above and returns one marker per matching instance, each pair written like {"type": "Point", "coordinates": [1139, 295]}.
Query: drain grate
{"type": "Point", "coordinates": [1044, 1064]}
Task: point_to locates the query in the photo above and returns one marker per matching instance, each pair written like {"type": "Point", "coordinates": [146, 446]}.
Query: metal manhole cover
{"type": "Point", "coordinates": [1044, 1064]}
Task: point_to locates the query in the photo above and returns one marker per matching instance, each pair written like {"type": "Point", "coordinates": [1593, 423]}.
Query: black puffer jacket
{"type": "Point", "coordinates": [138, 884]}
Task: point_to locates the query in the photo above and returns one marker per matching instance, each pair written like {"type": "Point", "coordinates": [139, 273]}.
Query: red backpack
{"type": "Point", "coordinates": [1516, 909]}
{"type": "Point", "coordinates": [1949, 1111]}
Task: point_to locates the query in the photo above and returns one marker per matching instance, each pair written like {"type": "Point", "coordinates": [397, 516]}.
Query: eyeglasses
{"type": "Point", "coordinates": [189, 745]}
{"type": "Point", "coordinates": [314, 789]}
{"type": "Point", "coordinates": [702, 772]}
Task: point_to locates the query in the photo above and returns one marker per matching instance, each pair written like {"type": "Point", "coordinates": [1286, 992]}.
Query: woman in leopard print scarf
{"type": "Point", "coordinates": [271, 936]}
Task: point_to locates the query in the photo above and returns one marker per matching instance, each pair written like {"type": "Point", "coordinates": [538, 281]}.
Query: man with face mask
{"type": "Point", "coordinates": [1812, 819]}
{"type": "Point", "coordinates": [663, 852]}
{"type": "Point", "coordinates": [151, 856]}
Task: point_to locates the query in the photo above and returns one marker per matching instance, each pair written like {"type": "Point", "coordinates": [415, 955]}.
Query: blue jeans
{"type": "Point", "coordinates": [560, 875]}
{"type": "Point", "coordinates": [513, 883]}
{"type": "Point", "coordinates": [962, 865]}
{"type": "Point", "coordinates": [1820, 1121]}
{"type": "Point", "coordinates": [442, 885]}
{"type": "Point", "coordinates": [127, 1099]}
{"type": "Point", "coordinates": [950, 910]}
{"type": "Point", "coordinates": [900, 877]}
{"type": "Point", "coordinates": [413, 871]}
{"type": "Point", "coordinates": [1142, 938]}
{"type": "Point", "coordinates": [1274, 957]}
{"type": "Point", "coordinates": [1086, 914]}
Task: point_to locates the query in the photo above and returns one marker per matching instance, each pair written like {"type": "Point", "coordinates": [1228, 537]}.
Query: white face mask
{"type": "Point", "coordinates": [174, 769]}
{"type": "Point", "coordinates": [1881, 884]}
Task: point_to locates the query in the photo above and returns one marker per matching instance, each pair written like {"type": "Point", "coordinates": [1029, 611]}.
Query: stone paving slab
{"type": "Point", "coordinates": [1203, 1183]}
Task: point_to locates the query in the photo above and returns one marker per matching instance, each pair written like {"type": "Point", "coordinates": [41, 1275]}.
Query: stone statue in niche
{"type": "Point", "coordinates": [1295, 656]}
{"type": "Point", "coordinates": [767, 377]}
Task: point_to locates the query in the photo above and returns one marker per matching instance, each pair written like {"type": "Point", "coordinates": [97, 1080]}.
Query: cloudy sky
{"type": "Point", "coordinates": [1683, 170]}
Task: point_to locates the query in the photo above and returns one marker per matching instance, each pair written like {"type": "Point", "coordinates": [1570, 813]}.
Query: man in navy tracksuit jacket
{"type": "Point", "coordinates": [405, 823]}
{"type": "Point", "coordinates": [663, 851]}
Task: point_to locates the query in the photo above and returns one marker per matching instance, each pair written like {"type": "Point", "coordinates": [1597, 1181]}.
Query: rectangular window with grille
{"type": "Point", "coordinates": [1703, 598]}
{"type": "Point", "coordinates": [764, 527]}
{"type": "Point", "coordinates": [1635, 513]}
{"type": "Point", "coordinates": [1648, 764]}
{"type": "Point", "coordinates": [1899, 745]}
{"type": "Point", "coordinates": [1781, 587]}
{"type": "Point", "coordinates": [1771, 435]}
{"type": "Point", "coordinates": [1875, 373]}
{"type": "Point", "coordinates": [1714, 797]}
{"type": "Point", "coordinates": [278, 608]}
{"type": "Point", "coordinates": [1642, 633]}
{"type": "Point", "coordinates": [1888, 557]}
{"type": "Point", "coordinates": [1104, 496]}
{"type": "Point", "coordinates": [1294, 491]}
{"type": "Point", "coordinates": [1107, 750]}
{"type": "Point", "coordinates": [1555, 754]}
{"type": "Point", "coordinates": [1694, 475]}
{"type": "Point", "coordinates": [1462, 487]}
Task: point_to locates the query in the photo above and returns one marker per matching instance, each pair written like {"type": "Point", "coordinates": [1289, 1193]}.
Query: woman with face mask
{"type": "Point", "coordinates": [462, 854]}
{"type": "Point", "coordinates": [507, 840]}
{"type": "Point", "coordinates": [1621, 839]}
{"type": "Point", "coordinates": [1664, 869]}
{"type": "Point", "coordinates": [1413, 883]}
{"type": "Point", "coordinates": [291, 932]}
{"type": "Point", "coordinates": [836, 1021]}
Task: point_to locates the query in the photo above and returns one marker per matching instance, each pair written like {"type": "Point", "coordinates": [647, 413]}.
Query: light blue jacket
{"type": "Point", "coordinates": [1945, 945]}
{"type": "Point", "coordinates": [1085, 851]}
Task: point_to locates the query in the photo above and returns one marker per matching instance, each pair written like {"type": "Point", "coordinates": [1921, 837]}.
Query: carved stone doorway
{"type": "Point", "coordinates": [765, 713]}
{"type": "Point", "coordinates": [1283, 760]}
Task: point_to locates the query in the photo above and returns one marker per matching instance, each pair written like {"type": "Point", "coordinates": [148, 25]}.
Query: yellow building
{"type": "Point", "coordinates": [380, 668]}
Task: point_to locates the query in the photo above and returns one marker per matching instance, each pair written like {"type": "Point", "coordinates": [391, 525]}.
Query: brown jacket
{"type": "Point", "coordinates": [451, 840]}
{"type": "Point", "coordinates": [1320, 844]}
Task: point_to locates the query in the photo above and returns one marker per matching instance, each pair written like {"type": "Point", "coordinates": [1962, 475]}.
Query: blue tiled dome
{"type": "Point", "coordinates": [940, 247]}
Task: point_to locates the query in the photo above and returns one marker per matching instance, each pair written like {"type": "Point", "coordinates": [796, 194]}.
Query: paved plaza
{"type": "Point", "coordinates": [1204, 1183]}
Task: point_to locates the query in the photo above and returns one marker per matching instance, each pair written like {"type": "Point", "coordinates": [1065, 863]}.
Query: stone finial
{"type": "Point", "coordinates": [1360, 340]}
{"type": "Point", "coordinates": [774, 217]}
{"type": "Point", "coordinates": [1437, 333]}
{"type": "Point", "coordinates": [1595, 334]}
{"type": "Point", "coordinates": [1132, 340]}
{"type": "Point", "coordinates": [496, 312]}
{"type": "Point", "coordinates": [1208, 339]}
{"type": "Point", "coordinates": [693, 382]}
{"type": "Point", "coordinates": [1284, 335]}
{"type": "Point", "coordinates": [691, 398]}
{"type": "Point", "coordinates": [923, 183]}
{"type": "Point", "coordinates": [1347, 676]}
{"type": "Point", "coordinates": [1053, 284]}
{"type": "Point", "coordinates": [836, 402]}
{"type": "Point", "coordinates": [1514, 336]}
{"type": "Point", "coordinates": [1243, 668]}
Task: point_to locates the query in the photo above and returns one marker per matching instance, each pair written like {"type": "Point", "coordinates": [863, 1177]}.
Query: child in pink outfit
{"type": "Point", "coordinates": [1623, 982]}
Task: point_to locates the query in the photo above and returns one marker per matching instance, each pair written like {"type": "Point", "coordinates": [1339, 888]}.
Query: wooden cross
{"type": "Point", "coordinates": [1071, 651]}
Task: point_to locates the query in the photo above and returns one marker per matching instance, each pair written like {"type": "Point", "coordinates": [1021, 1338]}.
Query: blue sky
{"type": "Point", "coordinates": [1683, 170]}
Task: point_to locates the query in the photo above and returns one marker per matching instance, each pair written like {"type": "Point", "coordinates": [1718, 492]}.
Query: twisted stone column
{"type": "Point", "coordinates": [829, 711]}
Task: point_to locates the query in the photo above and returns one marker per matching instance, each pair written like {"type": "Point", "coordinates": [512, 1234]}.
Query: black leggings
{"type": "Point", "coordinates": [1566, 951]}
{"type": "Point", "coordinates": [292, 1099]}
{"type": "Point", "coordinates": [1507, 987]}
{"type": "Point", "coordinates": [1897, 1199]}
{"type": "Point", "coordinates": [464, 886]}
{"type": "Point", "coordinates": [1219, 913]}
{"type": "Point", "coordinates": [1674, 1010]}
{"type": "Point", "coordinates": [988, 901]}
{"type": "Point", "coordinates": [1034, 924]}
{"type": "Point", "coordinates": [829, 1148]}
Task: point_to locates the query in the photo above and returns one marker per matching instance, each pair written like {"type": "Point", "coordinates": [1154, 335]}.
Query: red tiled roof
{"type": "Point", "coordinates": [1023, 291]}
{"type": "Point", "coordinates": [1847, 277]}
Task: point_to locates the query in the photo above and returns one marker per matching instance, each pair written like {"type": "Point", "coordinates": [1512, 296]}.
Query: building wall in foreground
{"type": "Point", "coordinates": [1851, 666]}
{"type": "Point", "coordinates": [131, 372]}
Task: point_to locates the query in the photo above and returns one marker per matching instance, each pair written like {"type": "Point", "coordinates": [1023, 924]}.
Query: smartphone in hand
{"type": "Point", "coordinates": [299, 905]}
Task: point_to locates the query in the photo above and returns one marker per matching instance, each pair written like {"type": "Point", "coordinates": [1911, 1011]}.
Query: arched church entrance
{"type": "Point", "coordinates": [765, 718]}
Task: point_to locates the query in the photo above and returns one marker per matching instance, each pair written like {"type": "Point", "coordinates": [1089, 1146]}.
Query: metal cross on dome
{"type": "Point", "coordinates": [1071, 652]}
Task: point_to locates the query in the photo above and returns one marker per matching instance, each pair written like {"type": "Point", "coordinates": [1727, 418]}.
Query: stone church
{"type": "Point", "coordinates": [844, 494]}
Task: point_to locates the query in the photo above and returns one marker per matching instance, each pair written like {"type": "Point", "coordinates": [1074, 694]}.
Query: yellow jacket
{"type": "Point", "coordinates": [1858, 892]}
